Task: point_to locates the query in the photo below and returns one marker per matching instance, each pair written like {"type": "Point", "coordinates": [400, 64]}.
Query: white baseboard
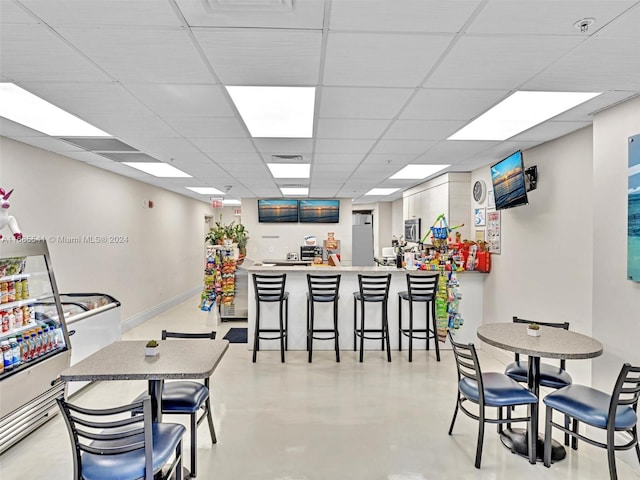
{"type": "Point", "coordinates": [140, 318]}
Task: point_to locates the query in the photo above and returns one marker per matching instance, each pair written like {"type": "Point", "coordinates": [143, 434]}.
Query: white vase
{"type": "Point", "coordinates": [533, 333]}
{"type": "Point", "coordinates": [151, 351]}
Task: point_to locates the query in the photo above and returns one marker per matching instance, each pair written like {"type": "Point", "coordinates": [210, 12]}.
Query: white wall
{"type": "Point", "coordinates": [162, 250]}
{"type": "Point", "coordinates": [616, 300]}
{"type": "Point", "coordinates": [544, 271]}
{"type": "Point", "coordinates": [274, 240]}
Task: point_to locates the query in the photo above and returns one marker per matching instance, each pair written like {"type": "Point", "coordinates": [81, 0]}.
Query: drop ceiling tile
{"type": "Point", "coordinates": [307, 14]}
{"type": "Point", "coordinates": [453, 151]}
{"type": "Point", "coordinates": [350, 128]}
{"type": "Point", "coordinates": [331, 171]}
{"type": "Point", "coordinates": [379, 172]}
{"type": "Point", "coordinates": [231, 158]}
{"type": "Point", "coordinates": [211, 127]}
{"type": "Point", "coordinates": [133, 55]}
{"type": "Point", "coordinates": [88, 98]}
{"type": "Point", "coordinates": [405, 16]}
{"type": "Point", "coordinates": [585, 111]}
{"type": "Point", "coordinates": [450, 104]}
{"type": "Point", "coordinates": [599, 64]}
{"type": "Point", "coordinates": [528, 17]}
{"type": "Point", "coordinates": [474, 63]}
{"type": "Point", "coordinates": [165, 148]}
{"type": "Point", "coordinates": [184, 100]}
{"type": "Point", "coordinates": [262, 56]}
{"type": "Point", "coordinates": [103, 12]}
{"type": "Point", "coordinates": [32, 52]}
{"type": "Point", "coordinates": [129, 129]}
{"type": "Point", "coordinates": [402, 147]}
{"type": "Point", "coordinates": [343, 146]}
{"type": "Point", "coordinates": [625, 26]}
{"type": "Point", "coordinates": [284, 146]}
{"type": "Point", "coordinates": [376, 60]}
{"type": "Point", "coordinates": [224, 145]}
{"type": "Point", "coordinates": [338, 158]}
{"type": "Point", "coordinates": [422, 129]}
{"type": "Point", "coordinates": [12, 14]}
{"type": "Point", "coordinates": [549, 130]}
{"type": "Point", "coordinates": [351, 102]}
{"type": "Point", "coordinates": [398, 160]}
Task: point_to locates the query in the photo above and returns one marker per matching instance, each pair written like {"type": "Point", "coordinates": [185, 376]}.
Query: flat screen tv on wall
{"type": "Point", "coordinates": [319, 211]}
{"type": "Point", "coordinates": [508, 178]}
{"type": "Point", "coordinates": [277, 211]}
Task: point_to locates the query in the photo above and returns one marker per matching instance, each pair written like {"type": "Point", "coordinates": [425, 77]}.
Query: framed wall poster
{"type": "Point", "coordinates": [493, 232]}
{"type": "Point", "coordinates": [633, 211]}
{"type": "Point", "coordinates": [479, 236]}
{"type": "Point", "coordinates": [491, 199]}
{"type": "Point", "coordinates": [480, 217]}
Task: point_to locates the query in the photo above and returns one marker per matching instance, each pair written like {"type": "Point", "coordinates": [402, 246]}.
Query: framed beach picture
{"type": "Point", "coordinates": [633, 211]}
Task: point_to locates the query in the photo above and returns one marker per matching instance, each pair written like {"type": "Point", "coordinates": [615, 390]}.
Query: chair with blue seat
{"type": "Point", "coordinates": [189, 397]}
{"type": "Point", "coordinates": [114, 444]}
{"type": "Point", "coordinates": [615, 413]}
{"type": "Point", "coordinates": [421, 288]}
{"type": "Point", "coordinates": [491, 389]}
{"type": "Point", "coordinates": [322, 289]}
{"type": "Point", "coordinates": [551, 376]}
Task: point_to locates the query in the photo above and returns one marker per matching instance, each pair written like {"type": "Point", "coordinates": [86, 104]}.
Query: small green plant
{"type": "Point", "coordinates": [534, 326]}
{"type": "Point", "coordinates": [152, 343]}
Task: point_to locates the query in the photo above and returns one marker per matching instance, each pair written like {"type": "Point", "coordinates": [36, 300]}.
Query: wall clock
{"type": "Point", "coordinates": [479, 191]}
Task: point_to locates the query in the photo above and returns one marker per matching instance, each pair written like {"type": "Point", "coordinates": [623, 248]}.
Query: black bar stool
{"type": "Point", "coordinates": [323, 289]}
{"type": "Point", "coordinates": [420, 288]}
{"type": "Point", "coordinates": [270, 288]}
{"type": "Point", "coordinates": [373, 288]}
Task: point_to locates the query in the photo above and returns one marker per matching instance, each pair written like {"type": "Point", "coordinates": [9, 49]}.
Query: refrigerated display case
{"type": "Point", "coordinates": [34, 339]}
{"type": "Point", "coordinates": [93, 321]}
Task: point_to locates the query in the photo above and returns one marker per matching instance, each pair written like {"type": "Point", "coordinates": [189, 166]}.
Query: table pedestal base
{"type": "Point", "coordinates": [515, 439]}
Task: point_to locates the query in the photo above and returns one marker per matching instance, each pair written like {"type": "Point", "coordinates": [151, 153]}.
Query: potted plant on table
{"type": "Point", "coordinates": [533, 330]}
{"type": "Point", "coordinates": [151, 348]}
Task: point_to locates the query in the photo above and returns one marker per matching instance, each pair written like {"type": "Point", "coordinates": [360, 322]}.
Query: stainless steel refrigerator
{"type": "Point", "coordinates": [362, 240]}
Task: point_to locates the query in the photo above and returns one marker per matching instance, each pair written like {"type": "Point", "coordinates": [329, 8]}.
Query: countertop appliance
{"type": "Point", "coordinates": [412, 230]}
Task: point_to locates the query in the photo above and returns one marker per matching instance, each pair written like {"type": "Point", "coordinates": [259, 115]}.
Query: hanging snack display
{"type": "Point", "coordinates": [219, 277]}
{"type": "Point", "coordinates": [228, 273]}
{"type": "Point", "coordinates": [208, 296]}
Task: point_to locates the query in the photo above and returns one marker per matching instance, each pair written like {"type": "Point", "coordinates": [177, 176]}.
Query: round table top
{"type": "Point", "coordinates": [552, 342]}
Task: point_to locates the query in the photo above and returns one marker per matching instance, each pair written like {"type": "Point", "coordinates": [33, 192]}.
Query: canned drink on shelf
{"type": "Point", "coordinates": [18, 284]}
{"type": "Point", "coordinates": [25, 289]}
{"type": "Point", "coordinates": [11, 288]}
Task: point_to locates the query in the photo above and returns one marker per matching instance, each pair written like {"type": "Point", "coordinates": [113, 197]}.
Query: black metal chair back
{"type": "Point", "coordinates": [323, 288]}
{"type": "Point", "coordinates": [467, 364]}
{"type": "Point", "coordinates": [563, 325]}
{"type": "Point", "coordinates": [269, 288]}
{"type": "Point", "coordinates": [96, 432]}
{"type": "Point", "coordinates": [422, 288]}
{"type": "Point", "coordinates": [626, 392]}
{"type": "Point", "coordinates": [374, 288]}
{"type": "Point", "coordinates": [204, 335]}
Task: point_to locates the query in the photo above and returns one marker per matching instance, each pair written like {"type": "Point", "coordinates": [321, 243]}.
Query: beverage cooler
{"type": "Point", "coordinates": [35, 337]}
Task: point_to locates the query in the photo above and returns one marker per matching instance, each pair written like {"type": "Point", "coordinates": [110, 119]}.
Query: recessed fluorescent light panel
{"type": "Point", "coordinates": [158, 169]}
{"type": "Point", "coordinates": [382, 191]}
{"type": "Point", "coordinates": [518, 113]}
{"type": "Point", "coordinates": [284, 112]}
{"type": "Point", "coordinates": [205, 190]}
{"type": "Point", "coordinates": [417, 172]}
{"type": "Point", "coordinates": [289, 170]}
{"type": "Point", "coordinates": [20, 106]}
{"type": "Point", "coordinates": [294, 191]}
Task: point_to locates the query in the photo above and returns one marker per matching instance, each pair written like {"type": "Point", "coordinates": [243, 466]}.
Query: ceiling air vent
{"type": "Point", "coordinates": [293, 185]}
{"type": "Point", "coordinates": [129, 157]}
{"type": "Point", "coordinates": [286, 158]}
{"type": "Point", "coordinates": [99, 144]}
